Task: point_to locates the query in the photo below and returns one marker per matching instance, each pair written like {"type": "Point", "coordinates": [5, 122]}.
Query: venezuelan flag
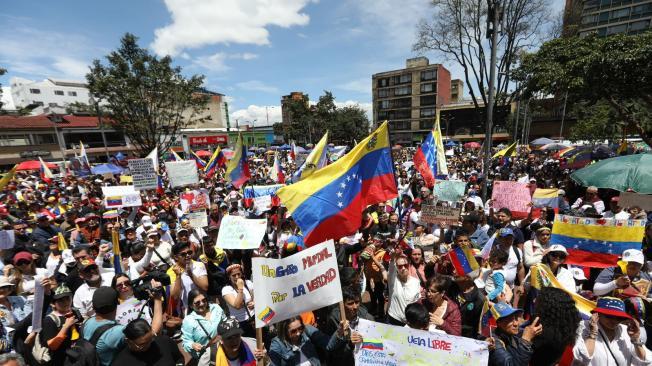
{"type": "Point", "coordinates": [596, 242]}
{"type": "Point", "coordinates": [506, 152]}
{"type": "Point", "coordinates": [541, 276]}
{"type": "Point", "coordinates": [487, 319]}
{"type": "Point", "coordinates": [430, 158]}
{"type": "Point", "coordinates": [277, 172]}
{"type": "Point", "coordinates": [117, 257]}
{"type": "Point", "coordinates": [266, 315]}
{"type": "Point", "coordinates": [174, 155]}
{"type": "Point", "coordinates": [463, 260]}
{"type": "Point", "coordinates": [317, 159]}
{"type": "Point", "coordinates": [237, 171]}
{"type": "Point", "coordinates": [198, 161]}
{"type": "Point", "coordinates": [46, 174]}
{"type": "Point", "coordinates": [372, 344]}
{"type": "Point", "coordinates": [61, 242]}
{"type": "Point", "coordinates": [329, 203]}
{"type": "Point", "coordinates": [8, 177]}
{"type": "Point", "coordinates": [217, 160]}
{"type": "Point", "coordinates": [546, 198]}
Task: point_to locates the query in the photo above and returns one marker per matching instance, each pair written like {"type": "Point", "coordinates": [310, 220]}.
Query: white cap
{"type": "Point", "coordinates": [146, 221]}
{"type": "Point", "coordinates": [634, 255]}
{"type": "Point", "coordinates": [67, 256]}
{"type": "Point", "coordinates": [578, 274]}
{"type": "Point", "coordinates": [557, 248]}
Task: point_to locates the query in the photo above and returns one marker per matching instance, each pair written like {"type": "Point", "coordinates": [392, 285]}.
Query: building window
{"type": "Point", "coordinates": [401, 103]}
{"type": "Point", "coordinates": [14, 140]}
{"type": "Point", "coordinates": [35, 91]}
{"type": "Point", "coordinates": [428, 100]}
{"type": "Point", "coordinates": [639, 26]}
{"type": "Point", "coordinates": [620, 13]}
{"type": "Point", "coordinates": [383, 82]}
{"type": "Point", "coordinates": [52, 104]}
{"type": "Point", "coordinates": [72, 93]}
{"type": "Point", "coordinates": [383, 104]}
{"type": "Point", "coordinates": [589, 19]}
{"type": "Point", "coordinates": [406, 78]}
{"type": "Point", "coordinates": [426, 124]}
{"type": "Point", "coordinates": [428, 88]}
{"type": "Point", "coordinates": [58, 92]}
{"type": "Point", "coordinates": [45, 139]}
{"type": "Point", "coordinates": [383, 93]}
{"type": "Point", "coordinates": [428, 75]}
{"type": "Point", "coordinates": [403, 90]}
{"type": "Point", "coordinates": [38, 103]}
{"type": "Point", "coordinates": [400, 125]}
{"type": "Point", "coordinates": [603, 17]}
{"type": "Point", "coordinates": [617, 29]}
{"type": "Point", "coordinates": [427, 112]}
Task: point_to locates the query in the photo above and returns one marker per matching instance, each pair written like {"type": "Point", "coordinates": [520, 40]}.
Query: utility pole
{"type": "Point", "coordinates": [563, 117]}
{"type": "Point", "coordinates": [494, 18]}
{"type": "Point", "coordinates": [99, 120]}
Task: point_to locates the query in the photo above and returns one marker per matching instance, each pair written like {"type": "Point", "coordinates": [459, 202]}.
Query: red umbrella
{"type": "Point", "coordinates": [203, 153]}
{"type": "Point", "coordinates": [472, 145]}
{"type": "Point", "coordinates": [34, 165]}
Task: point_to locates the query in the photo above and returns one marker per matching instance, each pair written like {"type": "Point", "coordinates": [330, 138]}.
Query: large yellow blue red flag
{"type": "Point", "coordinates": [329, 203]}
{"type": "Point", "coordinates": [506, 152]}
{"type": "Point", "coordinates": [430, 158]}
{"type": "Point", "coordinates": [237, 171]}
{"type": "Point", "coordinates": [541, 276]}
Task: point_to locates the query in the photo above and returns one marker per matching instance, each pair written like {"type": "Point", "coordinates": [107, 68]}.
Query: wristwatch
{"type": "Point", "coordinates": [638, 343]}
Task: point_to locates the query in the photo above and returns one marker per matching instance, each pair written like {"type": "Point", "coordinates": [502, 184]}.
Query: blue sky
{"type": "Point", "coordinates": [253, 51]}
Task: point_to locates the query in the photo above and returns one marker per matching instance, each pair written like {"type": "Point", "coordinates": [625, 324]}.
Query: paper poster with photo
{"type": "Point", "coordinates": [512, 195]}
{"type": "Point", "coordinates": [121, 196]}
{"type": "Point", "coordinates": [237, 232]}
{"type": "Point", "coordinates": [195, 200]}
{"type": "Point", "coordinates": [182, 173]}
{"type": "Point", "coordinates": [143, 174]}
{"type": "Point", "coordinates": [304, 281]}
{"type": "Point", "coordinates": [390, 345]}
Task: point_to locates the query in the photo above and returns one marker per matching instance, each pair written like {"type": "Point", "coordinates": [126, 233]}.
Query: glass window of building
{"type": "Point", "coordinates": [428, 75]}
{"type": "Point", "coordinates": [35, 91]}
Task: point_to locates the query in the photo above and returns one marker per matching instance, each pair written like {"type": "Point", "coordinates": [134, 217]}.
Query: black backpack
{"type": "Point", "coordinates": [83, 352]}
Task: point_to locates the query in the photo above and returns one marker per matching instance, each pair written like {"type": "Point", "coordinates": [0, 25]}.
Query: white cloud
{"type": "Point", "coordinates": [366, 106]}
{"type": "Point", "coordinates": [197, 23]}
{"type": "Point", "coordinates": [257, 85]}
{"type": "Point", "coordinates": [217, 62]}
{"type": "Point", "coordinates": [362, 86]}
{"type": "Point", "coordinates": [257, 115]}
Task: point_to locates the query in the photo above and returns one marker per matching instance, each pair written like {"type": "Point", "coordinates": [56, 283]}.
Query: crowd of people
{"type": "Point", "coordinates": [182, 300]}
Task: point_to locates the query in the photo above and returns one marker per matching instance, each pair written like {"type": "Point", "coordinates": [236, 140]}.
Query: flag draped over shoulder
{"type": "Point", "coordinates": [237, 171]}
{"type": "Point", "coordinates": [509, 151]}
{"type": "Point", "coordinates": [430, 158]}
{"type": "Point", "coordinates": [317, 159]}
{"type": "Point", "coordinates": [596, 242]}
{"type": "Point", "coordinates": [541, 276]}
{"type": "Point", "coordinates": [329, 203]}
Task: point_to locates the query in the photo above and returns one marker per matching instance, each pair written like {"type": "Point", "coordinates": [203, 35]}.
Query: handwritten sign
{"type": "Point", "coordinates": [37, 310]}
{"type": "Point", "coordinates": [195, 200]}
{"type": "Point", "coordinates": [182, 173]}
{"type": "Point", "coordinates": [197, 219]}
{"type": "Point", "coordinates": [440, 215]}
{"type": "Point", "coordinates": [390, 345]}
{"type": "Point", "coordinates": [449, 190]}
{"type": "Point", "coordinates": [513, 195]}
{"type": "Point", "coordinates": [237, 232]}
{"type": "Point", "coordinates": [143, 174]}
{"type": "Point", "coordinates": [7, 239]}
{"type": "Point", "coordinates": [263, 203]}
{"type": "Point", "coordinates": [630, 199]}
{"type": "Point", "coordinates": [305, 281]}
{"type": "Point", "coordinates": [121, 196]}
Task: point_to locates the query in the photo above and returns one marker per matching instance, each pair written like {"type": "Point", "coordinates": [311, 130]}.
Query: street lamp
{"type": "Point", "coordinates": [92, 100]}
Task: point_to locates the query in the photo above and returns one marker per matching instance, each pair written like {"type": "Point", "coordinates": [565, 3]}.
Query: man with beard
{"type": "Point", "coordinates": [22, 238]}
{"type": "Point", "coordinates": [90, 273]}
{"type": "Point", "coordinates": [129, 239]}
{"type": "Point", "coordinates": [92, 230]}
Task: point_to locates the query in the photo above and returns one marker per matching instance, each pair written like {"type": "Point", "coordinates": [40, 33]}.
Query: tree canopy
{"type": "Point", "coordinates": [597, 72]}
{"type": "Point", "coordinates": [147, 98]}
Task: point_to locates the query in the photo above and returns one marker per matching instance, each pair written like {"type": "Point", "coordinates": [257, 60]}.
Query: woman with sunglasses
{"type": "Point", "coordinates": [199, 328]}
{"type": "Point", "coordinates": [22, 273]}
{"type": "Point", "coordinates": [186, 274]}
{"type": "Point", "coordinates": [130, 308]}
{"type": "Point", "coordinates": [534, 249]}
{"type": "Point", "coordinates": [555, 258]}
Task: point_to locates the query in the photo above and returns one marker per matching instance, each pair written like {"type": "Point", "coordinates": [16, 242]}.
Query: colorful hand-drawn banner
{"type": "Point", "coordinates": [239, 233]}
{"type": "Point", "coordinates": [121, 196]}
{"type": "Point", "coordinates": [195, 200]}
{"type": "Point", "coordinates": [143, 174]}
{"type": "Point", "coordinates": [449, 190]}
{"type": "Point", "coordinates": [440, 215]}
{"type": "Point", "coordinates": [389, 345]}
{"type": "Point", "coordinates": [182, 173]}
{"type": "Point", "coordinates": [513, 195]}
{"type": "Point", "coordinates": [596, 242]}
{"type": "Point", "coordinates": [305, 281]}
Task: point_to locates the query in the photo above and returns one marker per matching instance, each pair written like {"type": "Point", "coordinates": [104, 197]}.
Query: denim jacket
{"type": "Point", "coordinates": [510, 351]}
{"type": "Point", "coordinates": [192, 332]}
{"type": "Point", "coordinates": [284, 354]}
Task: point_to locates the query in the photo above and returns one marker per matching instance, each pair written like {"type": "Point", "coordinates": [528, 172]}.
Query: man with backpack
{"type": "Point", "coordinates": [102, 329]}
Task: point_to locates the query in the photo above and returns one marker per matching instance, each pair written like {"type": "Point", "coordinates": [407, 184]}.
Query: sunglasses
{"type": "Point", "coordinates": [23, 262]}
{"type": "Point", "coordinates": [123, 284]}
{"type": "Point", "coordinates": [558, 255]}
{"type": "Point", "coordinates": [186, 254]}
{"type": "Point", "coordinates": [199, 302]}
{"type": "Point", "coordinates": [402, 265]}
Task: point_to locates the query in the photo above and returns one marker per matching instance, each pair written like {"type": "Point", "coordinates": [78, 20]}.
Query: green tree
{"type": "Point", "coordinates": [148, 99]}
{"type": "Point", "coordinates": [597, 72]}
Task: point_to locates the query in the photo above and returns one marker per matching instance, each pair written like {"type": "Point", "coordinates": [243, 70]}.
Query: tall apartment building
{"type": "Point", "coordinates": [457, 91]}
{"type": "Point", "coordinates": [286, 116]}
{"type": "Point", "coordinates": [606, 17]}
{"type": "Point", "coordinates": [408, 98]}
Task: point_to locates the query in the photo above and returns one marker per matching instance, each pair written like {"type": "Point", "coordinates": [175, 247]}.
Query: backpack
{"type": "Point", "coordinates": [42, 353]}
{"type": "Point", "coordinates": [217, 278]}
{"type": "Point", "coordinates": [83, 352]}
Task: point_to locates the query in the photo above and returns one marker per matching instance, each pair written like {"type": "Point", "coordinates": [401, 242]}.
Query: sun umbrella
{"type": "Point", "coordinates": [472, 145]}
{"type": "Point", "coordinates": [542, 141]}
{"type": "Point", "coordinates": [553, 146]}
{"type": "Point", "coordinates": [203, 153]}
{"type": "Point", "coordinates": [619, 173]}
{"type": "Point", "coordinates": [285, 147]}
{"type": "Point", "coordinates": [106, 169]}
{"type": "Point", "coordinates": [34, 165]}
{"type": "Point", "coordinates": [450, 143]}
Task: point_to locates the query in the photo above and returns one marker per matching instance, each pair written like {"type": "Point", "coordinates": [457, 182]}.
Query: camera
{"type": "Point", "coordinates": [143, 289]}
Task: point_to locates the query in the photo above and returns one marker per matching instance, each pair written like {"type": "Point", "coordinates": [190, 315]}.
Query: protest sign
{"type": "Point", "coordinates": [449, 190]}
{"type": "Point", "coordinates": [629, 199]}
{"type": "Point", "coordinates": [513, 195]}
{"type": "Point", "coordinates": [263, 203]}
{"type": "Point", "coordinates": [121, 196]}
{"type": "Point", "coordinates": [197, 218]}
{"type": "Point", "coordinates": [440, 215]}
{"type": "Point", "coordinates": [143, 174]}
{"type": "Point", "coordinates": [390, 345]}
{"type": "Point", "coordinates": [239, 233]}
{"type": "Point", "coordinates": [37, 309]}
{"type": "Point", "coordinates": [195, 200]}
{"type": "Point", "coordinates": [305, 281]}
{"type": "Point", "coordinates": [7, 239]}
{"type": "Point", "coordinates": [182, 173]}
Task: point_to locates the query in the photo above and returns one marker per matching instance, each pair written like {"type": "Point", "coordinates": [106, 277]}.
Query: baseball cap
{"type": "Point", "coordinates": [557, 248]}
{"type": "Point", "coordinates": [634, 255]}
{"type": "Point", "coordinates": [578, 274]}
{"type": "Point", "coordinates": [502, 310]}
{"type": "Point", "coordinates": [105, 297]}
{"type": "Point", "coordinates": [22, 256]}
{"type": "Point", "coordinates": [229, 328]}
{"type": "Point", "coordinates": [88, 263]}
{"type": "Point", "coordinates": [152, 232]}
{"type": "Point", "coordinates": [146, 221]}
{"type": "Point", "coordinates": [611, 306]}
{"type": "Point", "coordinates": [67, 256]}
{"type": "Point", "coordinates": [506, 232]}
{"type": "Point", "coordinates": [61, 291]}
{"type": "Point", "coordinates": [4, 282]}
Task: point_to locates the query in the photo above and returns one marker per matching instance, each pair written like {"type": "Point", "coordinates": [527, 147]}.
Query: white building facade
{"type": "Point", "coordinates": [47, 94]}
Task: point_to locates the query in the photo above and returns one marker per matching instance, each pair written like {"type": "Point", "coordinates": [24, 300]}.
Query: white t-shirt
{"type": "Point", "coordinates": [83, 298]}
{"type": "Point", "coordinates": [129, 309]}
{"type": "Point", "coordinates": [243, 313]}
{"type": "Point", "coordinates": [28, 280]}
{"type": "Point", "coordinates": [511, 268]}
{"type": "Point", "coordinates": [164, 249]}
{"type": "Point", "coordinates": [198, 270]}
